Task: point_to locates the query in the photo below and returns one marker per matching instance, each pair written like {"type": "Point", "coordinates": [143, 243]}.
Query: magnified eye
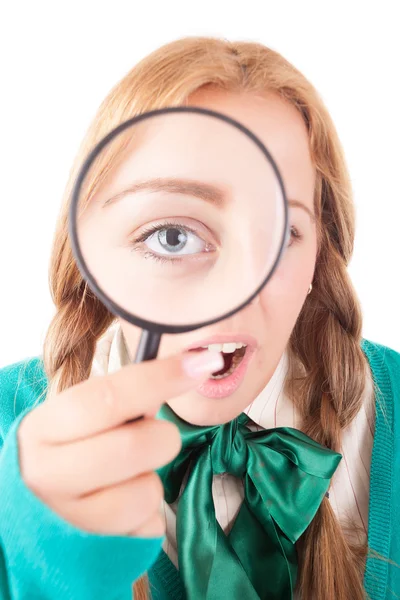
{"type": "Point", "coordinates": [175, 240]}
{"type": "Point", "coordinates": [169, 241]}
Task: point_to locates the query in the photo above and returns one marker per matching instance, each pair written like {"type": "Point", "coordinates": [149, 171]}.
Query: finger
{"type": "Point", "coordinates": [154, 527]}
{"type": "Point", "coordinates": [105, 460]}
{"type": "Point", "coordinates": [102, 403]}
{"type": "Point", "coordinates": [119, 510]}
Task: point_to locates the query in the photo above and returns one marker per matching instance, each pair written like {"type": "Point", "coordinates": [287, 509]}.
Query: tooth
{"type": "Point", "coordinates": [229, 348]}
{"type": "Point", "coordinates": [215, 347]}
{"type": "Point", "coordinates": [239, 345]}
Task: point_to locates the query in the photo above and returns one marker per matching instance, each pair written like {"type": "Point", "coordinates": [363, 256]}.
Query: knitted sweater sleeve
{"type": "Point", "coordinates": [41, 555]}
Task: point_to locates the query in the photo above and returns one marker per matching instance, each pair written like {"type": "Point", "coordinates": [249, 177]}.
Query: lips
{"type": "Point", "coordinates": [237, 351]}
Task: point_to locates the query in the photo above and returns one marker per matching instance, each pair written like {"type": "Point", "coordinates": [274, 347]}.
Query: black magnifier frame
{"type": "Point", "coordinates": [152, 331]}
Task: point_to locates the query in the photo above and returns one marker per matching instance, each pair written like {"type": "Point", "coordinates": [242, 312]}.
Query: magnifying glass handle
{"type": "Point", "coordinates": [147, 350]}
{"type": "Point", "coordinates": [148, 346]}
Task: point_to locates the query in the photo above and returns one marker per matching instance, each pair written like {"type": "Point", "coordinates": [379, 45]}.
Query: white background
{"type": "Point", "coordinates": [59, 59]}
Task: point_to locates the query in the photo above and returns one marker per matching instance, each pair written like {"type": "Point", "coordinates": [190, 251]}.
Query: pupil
{"type": "Point", "coordinates": [172, 239]}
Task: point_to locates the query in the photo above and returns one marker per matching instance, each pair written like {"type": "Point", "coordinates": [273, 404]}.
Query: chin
{"type": "Point", "coordinates": [197, 410]}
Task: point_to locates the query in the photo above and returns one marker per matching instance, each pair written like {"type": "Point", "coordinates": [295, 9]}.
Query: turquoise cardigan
{"type": "Point", "coordinates": [44, 557]}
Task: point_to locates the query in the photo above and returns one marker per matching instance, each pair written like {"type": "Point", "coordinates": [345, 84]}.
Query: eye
{"type": "Point", "coordinates": [171, 241]}
{"type": "Point", "coordinates": [295, 236]}
{"type": "Point", "coordinates": [175, 240]}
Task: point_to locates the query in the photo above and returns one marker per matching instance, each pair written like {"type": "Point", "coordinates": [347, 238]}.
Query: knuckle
{"type": "Point", "coordinates": [172, 442]}
{"type": "Point", "coordinates": [26, 429]}
{"type": "Point", "coordinates": [33, 474]}
{"type": "Point", "coordinates": [164, 443]}
{"type": "Point", "coordinates": [154, 491]}
{"type": "Point", "coordinates": [31, 466]}
{"type": "Point", "coordinates": [153, 443]}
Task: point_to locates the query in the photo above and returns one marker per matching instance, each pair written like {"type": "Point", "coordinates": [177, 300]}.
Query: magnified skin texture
{"type": "Point", "coordinates": [266, 324]}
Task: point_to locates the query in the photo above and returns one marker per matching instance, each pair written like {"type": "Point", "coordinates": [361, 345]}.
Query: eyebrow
{"type": "Point", "coordinates": [298, 204]}
{"type": "Point", "coordinates": [205, 191]}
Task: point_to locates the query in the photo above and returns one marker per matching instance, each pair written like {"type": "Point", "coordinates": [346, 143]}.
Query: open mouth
{"type": "Point", "coordinates": [232, 353]}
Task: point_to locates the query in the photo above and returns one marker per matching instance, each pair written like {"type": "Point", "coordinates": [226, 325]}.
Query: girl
{"type": "Point", "coordinates": [79, 508]}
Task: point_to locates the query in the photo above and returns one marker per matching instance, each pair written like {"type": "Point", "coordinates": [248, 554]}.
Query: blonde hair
{"type": "Point", "coordinates": [326, 338]}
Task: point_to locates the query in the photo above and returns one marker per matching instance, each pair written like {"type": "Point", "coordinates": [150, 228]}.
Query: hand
{"type": "Point", "coordinates": [81, 456]}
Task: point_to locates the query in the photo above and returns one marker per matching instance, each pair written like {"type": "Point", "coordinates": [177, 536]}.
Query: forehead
{"type": "Point", "coordinates": [280, 127]}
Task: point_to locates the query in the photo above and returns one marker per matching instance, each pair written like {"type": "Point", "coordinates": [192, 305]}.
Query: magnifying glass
{"type": "Point", "coordinates": [178, 219]}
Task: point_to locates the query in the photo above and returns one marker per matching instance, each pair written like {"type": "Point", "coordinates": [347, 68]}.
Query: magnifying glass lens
{"type": "Point", "coordinates": [180, 218]}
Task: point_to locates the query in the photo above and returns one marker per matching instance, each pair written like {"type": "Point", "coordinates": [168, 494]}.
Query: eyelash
{"type": "Point", "coordinates": [154, 228]}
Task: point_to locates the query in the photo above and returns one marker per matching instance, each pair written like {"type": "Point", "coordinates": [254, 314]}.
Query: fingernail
{"type": "Point", "coordinates": [199, 364]}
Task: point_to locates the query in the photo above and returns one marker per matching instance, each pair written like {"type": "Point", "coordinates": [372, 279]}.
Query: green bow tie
{"type": "Point", "coordinates": [285, 475]}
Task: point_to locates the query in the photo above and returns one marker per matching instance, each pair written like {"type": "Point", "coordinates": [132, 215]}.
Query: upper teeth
{"type": "Point", "coordinates": [228, 348]}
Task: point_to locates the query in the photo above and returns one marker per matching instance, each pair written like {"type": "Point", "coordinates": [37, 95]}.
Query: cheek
{"type": "Point", "coordinates": [284, 296]}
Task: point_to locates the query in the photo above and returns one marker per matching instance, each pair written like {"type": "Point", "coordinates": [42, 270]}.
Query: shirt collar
{"type": "Point", "coordinates": [263, 411]}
